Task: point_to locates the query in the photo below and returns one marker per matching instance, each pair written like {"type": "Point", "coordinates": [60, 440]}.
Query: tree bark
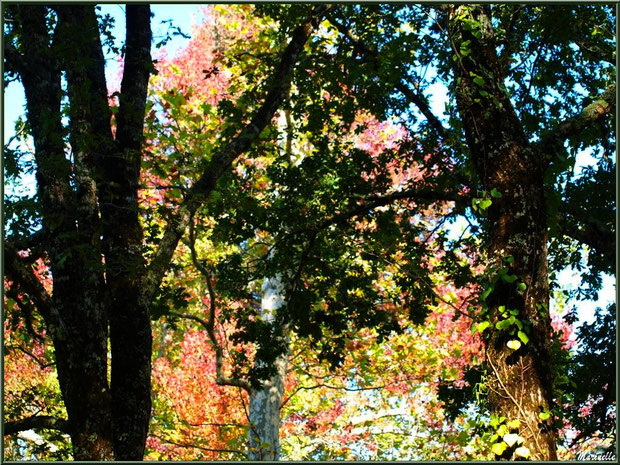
{"type": "Point", "coordinates": [78, 285]}
{"type": "Point", "coordinates": [520, 382]}
{"type": "Point", "coordinates": [265, 402]}
{"type": "Point", "coordinates": [130, 324]}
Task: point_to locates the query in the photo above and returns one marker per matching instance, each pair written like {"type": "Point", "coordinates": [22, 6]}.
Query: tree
{"type": "Point", "coordinates": [504, 152]}
{"type": "Point", "coordinates": [500, 160]}
{"type": "Point", "coordinates": [87, 217]}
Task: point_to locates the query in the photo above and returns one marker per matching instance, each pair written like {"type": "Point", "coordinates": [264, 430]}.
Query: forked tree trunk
{"type": "Point", "coordinates": [520, 380]}
{"type": "Point", "coordinates": [89, 209]}
{"type": "Point", "coordinates": [265, 403]}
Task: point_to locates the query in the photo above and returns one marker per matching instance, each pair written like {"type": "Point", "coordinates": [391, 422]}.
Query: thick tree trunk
{"type": "Point", "coordinates": [520, 382]}
{"type": "Point", "coordinates": [264, 412]}
{"type": "Point", "coordinates": [105, 422]}
{"type": "Point", "coordinates": [73, 251]}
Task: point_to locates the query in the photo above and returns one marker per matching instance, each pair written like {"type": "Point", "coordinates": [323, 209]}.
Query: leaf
{"type": "Point", "coordinates": [498, 448]}
{"type": "Point", "coordinates": [522, 452]}
{"type": "Point", "coordinates": [479, 81]}
{"type": "Point", "coordinates": [544, 415]}
{"type": "Point", "coordinates": [511, 439]}
{"type": "Point", "coordinates": [523, 337]}
{"type": "Point", "coordinates": [484, 204]}
{"type": "Point", "coordinates": [509, 278]}
{"type": "Point", "coordinates": [482, 326]}
{"type": "Point", "coordinates": [494, 192]}
{"type": "Point", "coordinates": [513, 424]}
{"type": "Point", "coordinates": [513, 344]}
{"type": "Point", "coordinates": [502, 324]}
{"type": "Point", "coordinates": [521, 287]}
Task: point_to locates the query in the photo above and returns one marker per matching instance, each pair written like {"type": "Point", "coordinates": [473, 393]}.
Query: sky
{"type": "Point", "coordinates": [183, 16]}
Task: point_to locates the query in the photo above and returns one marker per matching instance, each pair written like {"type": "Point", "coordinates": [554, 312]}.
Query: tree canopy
{"type": "Point", "coordinates": [275, 242]}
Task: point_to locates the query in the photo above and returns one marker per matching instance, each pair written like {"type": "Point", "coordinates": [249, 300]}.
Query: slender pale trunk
{"type": "Point", "coordinates": [264, 440]}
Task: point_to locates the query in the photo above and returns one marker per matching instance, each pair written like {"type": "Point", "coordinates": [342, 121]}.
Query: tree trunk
{"type": "Point", "coordinates": [520, 382]}
{"type": "Point", "coordinates": [78, 297]}
{"type": "Point", "coordinates": [130, 324]}
{"type": "Point", "coordinates": [265, 402]}
{"type": "Point", "coordinates": [89, 208]}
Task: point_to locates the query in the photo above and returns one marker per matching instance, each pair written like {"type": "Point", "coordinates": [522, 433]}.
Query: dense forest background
{"type": "Point", "coordinates": [310, 232]}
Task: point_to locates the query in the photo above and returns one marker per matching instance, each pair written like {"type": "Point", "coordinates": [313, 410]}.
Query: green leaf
{"type": "Point", "coordinates": [521, 287]}
{"type": "Point", "coordinates": [509, 278]}
{"type": "Point", "coordinates": [513, 344]}
{"type": "Point", "coordinates": [479, 81]}
{"type": "Point", "coordinates": [484, 204]}
{"type": "Point", "coordinates": [482, 326]}
{"type": "Point", "coordinates": [544, 415]}
{"type": "Point", "coordinates": [494, 192]}
{"type": "Point", "coordinates": [523, 337]}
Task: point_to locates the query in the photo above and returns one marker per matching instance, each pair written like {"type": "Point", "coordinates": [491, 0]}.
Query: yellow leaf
{"type": "Point", "coordinates": [514, 344]}
{"type": "Point", "coordinates": [513, 424]}
{"type": "Point", "coordinates": [499, 448]}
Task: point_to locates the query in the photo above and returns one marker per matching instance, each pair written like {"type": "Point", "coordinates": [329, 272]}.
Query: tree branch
{"type": "Point", "coordinates": [13, 60]}
{"type": "Point", "coordinates": [138, 66]}
{"type": "Point", "coordinates": [194, 446]}
{"type": "Point", "coordinates": [12, 292]}
{"type": "Point", "coordinates": [595, 234]}
{"type": "Point", "coordinates": [414, 97]}
{"type": "Point", "coordinates": [209, 325]}
{"type": "Point", "coordinates": [596, 52]}
{"type": "Point", "coordinates": [368, 203]}
{"type": "Point", "coordinates": [24, 276]}
{"type": "Point", "coordinates": [603, 105]}
{"type": "Point", "coordinates": [221, 160]}
{"type": "Point", "coordinates": [36, 422]}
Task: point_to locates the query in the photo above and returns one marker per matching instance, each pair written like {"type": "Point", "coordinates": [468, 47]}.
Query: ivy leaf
{"type": "Point", "coordinates": [498, 448]}
{"type": "Point", "coordinates": [522, 452]}
{"type": "Point", "coordinates": [482, 326]}
{"type": "Point", "coordinates": [511, 439]}
{"type": "Point", "coordinates": [509, 278]}
{"type": "Point", "coordinates": [513, 424]}
{"type": "Point", "coordinates": [484, 204]}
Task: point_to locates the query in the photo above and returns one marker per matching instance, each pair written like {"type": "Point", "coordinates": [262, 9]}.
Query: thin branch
{"type": "Point", "coordinates": [36, 422]}
{"type": "Point", "coordinates": [24, 276]}
{"type": "Point", "coordinates": [41, 364]}
{"type": "Point", "coordinates": [194, 446]}
{"type": "Point", "coordinates": [411, 95]}
{"type": "Point", "coordinates": [596, 52]}
{"type": "Point", "coordinates": [595, 233]}
{"type": "Point", "coordinates": [12, 292]}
